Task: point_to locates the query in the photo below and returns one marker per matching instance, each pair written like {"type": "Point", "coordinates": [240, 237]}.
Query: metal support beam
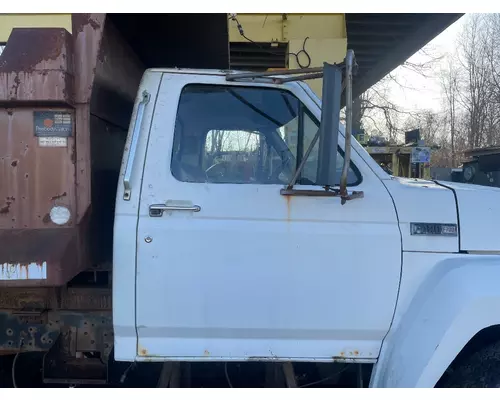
{"type": "Point", "coordinates": [169, 375]}
{"type": "Point", "coordinates": [348, 125]}
{"type": "Point", "coordinates": [289, 373]}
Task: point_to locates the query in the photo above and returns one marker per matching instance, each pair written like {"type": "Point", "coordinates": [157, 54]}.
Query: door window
{"type": "Point", "coordinates": [232, 134]}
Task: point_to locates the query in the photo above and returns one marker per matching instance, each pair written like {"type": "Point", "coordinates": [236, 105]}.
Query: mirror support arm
{"type": "Point", "coordinates": [349, 61]}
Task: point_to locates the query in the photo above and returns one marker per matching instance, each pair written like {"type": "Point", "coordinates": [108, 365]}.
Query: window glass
{"type": "Point", "coordinates": [231, 134]}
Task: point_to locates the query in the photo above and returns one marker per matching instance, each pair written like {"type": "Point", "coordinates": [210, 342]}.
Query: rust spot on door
{"type": "Point", "coordinates": [288, 206]}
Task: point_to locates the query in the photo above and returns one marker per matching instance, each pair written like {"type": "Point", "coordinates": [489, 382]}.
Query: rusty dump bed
{"type": "Point", "coordinates": [66, 100]}
{"type": "Point", "coordinates": [37, 86]}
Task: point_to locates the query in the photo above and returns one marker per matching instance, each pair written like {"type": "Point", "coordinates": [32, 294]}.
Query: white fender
{"type": "Point", "coordinates": [459, 297]}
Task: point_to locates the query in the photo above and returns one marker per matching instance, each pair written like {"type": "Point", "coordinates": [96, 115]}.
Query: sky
{"type": "Point", "coordinates": [425, 92]}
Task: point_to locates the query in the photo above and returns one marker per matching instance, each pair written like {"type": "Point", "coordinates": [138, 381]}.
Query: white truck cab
{"type": "Point", "coordinates": [213, 261]}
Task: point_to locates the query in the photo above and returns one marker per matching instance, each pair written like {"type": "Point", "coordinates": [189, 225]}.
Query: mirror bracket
{"type": "Point", "coordinates": [327, 192]}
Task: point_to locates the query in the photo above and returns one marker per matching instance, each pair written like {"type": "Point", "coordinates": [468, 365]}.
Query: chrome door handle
{"type": "Point", "coordinates": [156, 210]}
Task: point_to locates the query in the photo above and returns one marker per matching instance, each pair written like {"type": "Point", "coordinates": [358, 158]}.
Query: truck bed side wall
{"type": "Point", "coordinates": [118, 74]}
{"type": "Point", "coordinates": [93, 76]}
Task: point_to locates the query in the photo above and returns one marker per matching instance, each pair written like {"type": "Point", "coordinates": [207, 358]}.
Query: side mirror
{"type": "Point", "coordinates": [329, 126]}
{"type": "Point", "coordinates": [327, 134]}
{"type": "Point", "coordinates": [330, 119]}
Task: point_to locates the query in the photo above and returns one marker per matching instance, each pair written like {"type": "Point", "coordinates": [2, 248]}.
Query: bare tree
{"type": "Point", "coordinates": [470, 84]}
{"type": "Point", "coordinates": [383, 114]}
{"type": "Point", "coordinates": [492, 55]}
{"type": "Point", "coordinates": [491, 25]}
{"type": "Point", "coordinates": [431, 125]}
{"type": "Point", "coordinates": [475, 92]}
{"type": "Point", "coordinates": [378, 110]}
{"type": "Point", "coordinates": [471, 88]}
{"type": "Point", "coordinates": [449, 84]}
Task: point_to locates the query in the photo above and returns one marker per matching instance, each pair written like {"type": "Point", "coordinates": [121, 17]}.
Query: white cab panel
{"type": "Point", "coordinates": [256, 275]}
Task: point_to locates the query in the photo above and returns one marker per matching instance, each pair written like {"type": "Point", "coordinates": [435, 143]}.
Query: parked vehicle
{"type": "Point", "coordinates": [250, 245]}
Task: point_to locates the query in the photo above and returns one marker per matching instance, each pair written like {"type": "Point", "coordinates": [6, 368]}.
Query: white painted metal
{"type": "Point", "coordinates": [479, 208]}
{"type": "Point", "coordinates": [423, 201]}
{"type": "Point", "coordinates": [29, 271]}
{"type": "Point", "coordinates": [254, 275]}
{"type": "Point", "coordinates": [125, 228]}
{"type": "Point", "coordinates": [444, 301]}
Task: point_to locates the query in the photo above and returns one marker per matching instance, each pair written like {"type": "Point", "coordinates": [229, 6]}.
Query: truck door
{"type": "Point", "coordinates": [227, 268]}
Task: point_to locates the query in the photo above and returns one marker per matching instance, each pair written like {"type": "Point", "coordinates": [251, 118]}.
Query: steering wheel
{"type": "Point", "coordinates": [216, 175]}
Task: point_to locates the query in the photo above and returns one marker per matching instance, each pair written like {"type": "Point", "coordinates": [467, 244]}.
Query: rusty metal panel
{"type": "Point", "coordinates": [21, 86]}
{"type": "Point", "coordinates": [80, 333]}
{"type": "Point", "coordinates": [72, 298]}
{"type": "Point", "coordinates": [32, 318]}
{"type": "Point", "coordinates": [37, 65]}
{"type": "Point", "coordinates": [38, 257]}
{"type": "Point", "coordinates": [87, 299]}
{"type": "Point", "coordinates": [25, 330]}
{"type": "Point", "coordinates": [118, 68]}
{"type": "Point", "coordinates": [87, 35]}
{"type": "Point", "coordinates": [39, 330]}
{"type": "Point", "coordinates": [26, 298]}
{"type": "Point", "coordinates": [46, 65]}
{"type": "Point", "coordinates": [117, 76]}
{"type": "Point", "coordinates": [83, 160]}
{"type": "Point", "coordinates": [34, 179]}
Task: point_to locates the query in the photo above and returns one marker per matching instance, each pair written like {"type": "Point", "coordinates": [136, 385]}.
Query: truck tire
{"type": "Point", "coordinates": [479, 370]}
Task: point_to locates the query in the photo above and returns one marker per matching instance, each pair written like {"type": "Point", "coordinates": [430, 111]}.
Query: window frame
{"type": "Point", "coordinates": [303, 109]}
{"type": "Point", "coordinates": [340, 150]}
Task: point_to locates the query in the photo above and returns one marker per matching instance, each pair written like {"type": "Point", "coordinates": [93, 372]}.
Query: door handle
{"type": "Point", "coordinates": [156, 210]}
